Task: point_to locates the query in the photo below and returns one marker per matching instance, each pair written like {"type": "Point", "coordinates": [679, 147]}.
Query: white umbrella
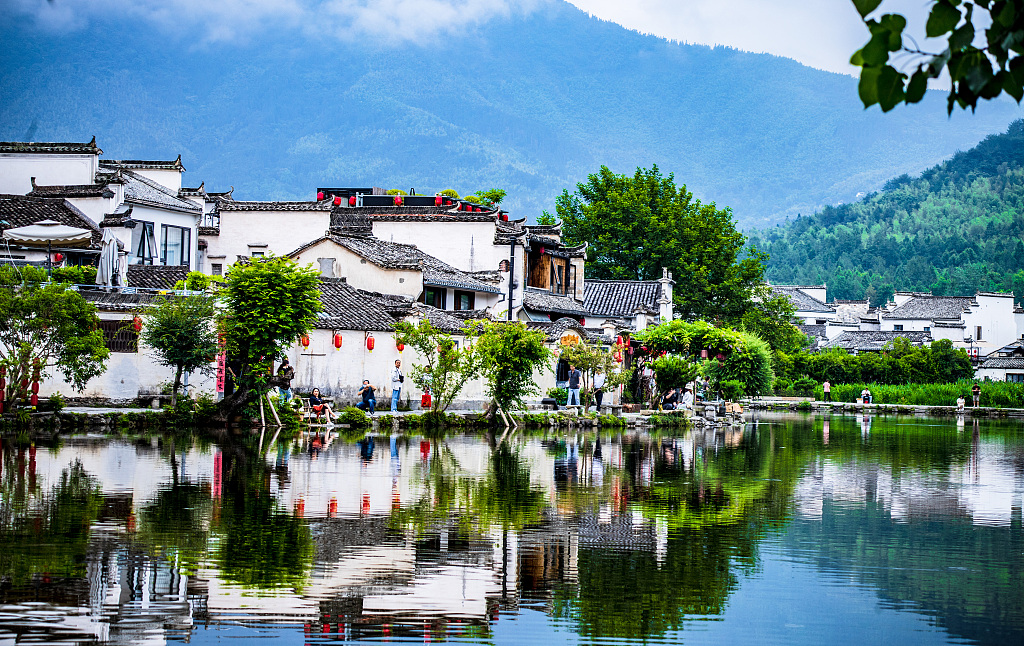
{"type": "Point", "coordinates": [106, 270]}
{"type": "Point", "coordinates": [46, 232]}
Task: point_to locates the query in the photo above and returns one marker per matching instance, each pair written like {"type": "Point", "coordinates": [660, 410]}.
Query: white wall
{"type": "Point", "coordinates": [169, 178]}
{"type": "Point", "coordinates": [18, 169]}
{"type": "Point", "coordinates": [995, 316]}
{"type": "Point", "coordinates": [361, 273]}
{"type": "Point", "coordinates": [468, 246]}
{"type": "Point", "coordinates": [282, 231]}
{"type": "Point", "coordinates": [160, 217]}
{"type": "Point", "coordinates": [909, 325]}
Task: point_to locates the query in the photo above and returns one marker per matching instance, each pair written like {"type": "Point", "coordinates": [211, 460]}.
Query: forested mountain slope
{"type": "Point", "coordinates": [955, 229]}
{"type": "Point", "coordinates": [530, 102]}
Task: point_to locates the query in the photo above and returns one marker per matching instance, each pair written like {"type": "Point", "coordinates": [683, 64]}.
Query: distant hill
{"type": "Point", "coordinates": [530, 103]}
{"type": "Point", "coordinates": [955, 229]}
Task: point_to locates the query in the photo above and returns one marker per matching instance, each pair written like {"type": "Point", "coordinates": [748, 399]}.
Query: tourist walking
{"type": "Point", "coordinates": [827, 387]}
{"type": "Point", "coordinates": [397, 379]}
{"type": "Point", "coordinates": [976, 392]}
{"type": "Point", "coordinates": [600, 379]}
{"type": "Point", "coordinates": [369, 397]}
{"type": "Point", "coordinates": [575, 378]}
{"type": "Point", "coordinates": [287, 373]}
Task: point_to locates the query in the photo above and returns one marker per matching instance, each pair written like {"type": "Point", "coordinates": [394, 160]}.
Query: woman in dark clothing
{"type": "Point", "coordinates": [319, 406]}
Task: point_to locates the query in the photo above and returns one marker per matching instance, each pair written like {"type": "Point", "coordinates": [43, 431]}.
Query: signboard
{"type": "Point", "coordinates": [221, 370]}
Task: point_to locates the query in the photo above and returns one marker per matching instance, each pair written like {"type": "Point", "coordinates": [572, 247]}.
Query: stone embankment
{"type": "Point", "coordinates": [810, 405]}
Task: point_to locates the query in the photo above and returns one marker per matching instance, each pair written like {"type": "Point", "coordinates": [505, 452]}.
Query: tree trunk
{"type": "Point", "coordinates": [177, 384]}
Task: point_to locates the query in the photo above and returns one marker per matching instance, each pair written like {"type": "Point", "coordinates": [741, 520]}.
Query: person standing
{"type": "Point", "coordinates": [976, 392]}
{"type": "Point", "coordinates": [287, 373]}
{"type": "Point", "coordinates": [827, 387]}
{"type": "Point", "coordinates": [369, 397]}
{"type": "Point", "coordinates": [397, 379]}
{"type": "Point", "coordinates": [575, 378]}
{"type": "Point", "coordinates": [600, 379]}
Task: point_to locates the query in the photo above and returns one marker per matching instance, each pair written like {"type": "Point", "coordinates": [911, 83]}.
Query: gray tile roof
{"type": "Point", "coordinates": [545, 301]}
{"type": "Point", "coordinates": [555, 329]}
{"type": "Point", "coordinates": [620, 298]}
{"type": "Point", "coordinates": [23, 210]}
{"type": "Point", "coordinates": [72, 190]}
{"type": "Point", "coordinates": [871, 341]}
{"type": "Point", "coordinates": [89, 148]}
{"type": "Point", "coordinates": [116, 301]}
{"type": "Point", "coordinates": [931, 307]}
{"type": "Point", "coordinates": [803, 301]}
{"type": "Point", "coordinates": [144, 191]}
{"type": "Point", "coordinates": [1015, 349]}
{"type": "Point", "coordinates": [1012, 363]}
{"type": "Point", "coordinates": [144, 164]}
{"type": "Point", "coordinates": [346, 308]}
{"type": "Point", "coordinates": [237, 205]}
{"type": "Point", "coordinates": [156, 276]}
{"type": "Point", "coordinates": [441, 319]}
{"type": "Point", "coordinates": [394, 255]}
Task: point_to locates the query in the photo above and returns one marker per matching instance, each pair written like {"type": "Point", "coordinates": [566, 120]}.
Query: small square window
{"type": "Point", "coordinates": [257, 254]}
{"type": "Point", "coordinates": [898, 328]}
{"type": "Point", "coordinates": [464, 300]}
{"type": "Point", "coordinates": [927, 328]}
{"type": "Point", "coordinates": [217, 269]}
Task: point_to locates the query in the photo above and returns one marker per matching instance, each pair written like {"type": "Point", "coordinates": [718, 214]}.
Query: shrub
{"type": "Point", "coordinates": [74, 274]}
{"type": "Point", "coordinates": [732, 389]}
{"type": "Point", "coordinates": [560, 395]}
{"type": "Point", "coordinates": [997, 394]}
{"type": "Point", "coordinates": [805, 386]}
{"type": "Point", "coordinates": [356, 419]}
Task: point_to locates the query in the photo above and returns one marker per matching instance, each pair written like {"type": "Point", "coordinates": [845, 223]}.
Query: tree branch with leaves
{"type": "Point", "coordinates": [181, 332]}
{"type": "Point", "coordinates": [446, 366]}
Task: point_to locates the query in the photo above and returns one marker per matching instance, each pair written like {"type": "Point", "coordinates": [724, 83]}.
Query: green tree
{"type": "Point", "coordinates": [510, 354]}
{"type": "Point", "coordinates": [673, 371]}
{"type": "Point", "coordinates": [267, 303]}
{"type": "Point", "coordinates": [976, 72]}
{"type": "Point", "coordinates": [771, 318]}
{"type": "Point", "coordinates": [491, 197]}
{"type": "Point", "coordinates": [446, 366]}
{"type": "Point", "coordinates": [588, 357]}
{"type": "Point", "coordinates": [635, 225]}
{"type": "Point", "coordinates": [181, 331]}
{"type": "Point", "coordinates": [451, 192]}
{"type": "Point", "coordinates": [750, 364]}
{"type": "Point", "coordinates": [46, 325]}
{"type": "Point", "coordinates": [546, 219]}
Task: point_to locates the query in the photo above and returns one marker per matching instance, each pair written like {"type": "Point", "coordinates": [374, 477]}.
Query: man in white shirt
{"type": "Point", "coordinates": [599, 381]}
{"type": "Point", "coordinates": [397, 378]}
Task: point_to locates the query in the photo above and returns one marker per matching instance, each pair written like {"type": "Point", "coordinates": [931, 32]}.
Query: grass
{"type": "Point", "coordinates": [996, 394]}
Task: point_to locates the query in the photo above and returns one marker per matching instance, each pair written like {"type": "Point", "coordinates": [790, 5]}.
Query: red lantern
{"type": "Point", "coordinates": [370, 343]}
{"type": "Point", "coordinates": [704, 353]}
{"type": "Point", "coordinates": [34, 400]}
{"type": "Point", "coordinates": [351, 200]}
{"type": "Point", "coordinates": [337, 341]}
{"type": "Point", "coordinates": [583, 322]}
{"type": "Point", "coordinates": [319, 196]}
{"type": "Point", "coordinates": [542, 251]}
{"type": "Point", "coordinates": [400, 346]}
{"type": "Point", "coordinates": [618, 356]}
{"type": "Point", "coordinates": [58, 257]}
{"type": "Point", "coordinates": [618, 340]}
{"type": "Point", "coordinates": [137, 324]}
{"type": "Point", "coordinates": [398, 200]}
{"type": "Point", "coordinates": [35, 387]}
{"type": "Point", "coordinates": [504, 217]}
{"type": "Point", "coordinates": [437, 200]}
{"type": "Point", "coordinates": [304, 340]}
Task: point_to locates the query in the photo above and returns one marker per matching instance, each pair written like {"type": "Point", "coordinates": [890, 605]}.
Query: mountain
{"type": "Point", "coordinates": [530, 102]}
{"type": "Point", "coordinates": [953, 230]}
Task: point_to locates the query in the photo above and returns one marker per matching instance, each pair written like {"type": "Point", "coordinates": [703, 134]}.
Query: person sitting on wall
{"type": "Point", "coordinates": [320, 406]}
{"type": "Point", "coordinates": [687, 401]}
{"type": "Point", "coordinates": [369, 397]}
{"type": "Point", "coordinates": [670, 400]}
{"type": "Point", "coordinates": [960, 402]}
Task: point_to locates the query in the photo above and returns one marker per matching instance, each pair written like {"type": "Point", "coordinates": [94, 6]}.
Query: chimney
{"type": "Point", "coordinates": [665, 300]}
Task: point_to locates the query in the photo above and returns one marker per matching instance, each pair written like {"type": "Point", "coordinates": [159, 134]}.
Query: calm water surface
{"type": "Point", "coordinates": [791, 529]}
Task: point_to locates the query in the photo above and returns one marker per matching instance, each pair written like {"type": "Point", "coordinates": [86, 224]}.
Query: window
{"type": "Point", "coordinates": [434, 296]}
{"type": "Point", "coordinates": [257, 254]}
{"type": "Point", "coordinates": [143, 244]}
{"type": "Point", "coordinates": [217, 269]}
{"type": "Point", "coordinates": [175, 245]}
{"type": "Point", "coordinates": [464, 300]}
{"type": "Point", "coordinates": [927, 328]}
{"type": "Point", "coordinates": [326, 267]}
{"type": "Point", "coordinates": [819, 321]}
{"type": "Point", "coordinates": [977, 333]}
{"type": "Point", "coordinates": [898, 328]}
{"type": "Point", "coordinates": [120, 336]}
{"type": "Point", "coordinates": [1015, 378]}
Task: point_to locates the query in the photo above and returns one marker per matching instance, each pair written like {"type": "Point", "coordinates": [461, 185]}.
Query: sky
{"type": "Point", "coordinates": [818, 33]}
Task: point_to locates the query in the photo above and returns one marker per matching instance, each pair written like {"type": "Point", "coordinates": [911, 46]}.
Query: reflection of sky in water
{"type": "Point", "coordinates": [847, 530]}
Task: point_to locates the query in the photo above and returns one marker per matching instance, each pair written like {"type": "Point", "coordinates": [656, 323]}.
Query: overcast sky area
{"type": "Point", "coordinates": [818, 33]}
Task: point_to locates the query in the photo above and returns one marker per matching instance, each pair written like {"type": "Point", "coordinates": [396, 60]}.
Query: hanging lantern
{"type": "Point", "coordinates": [319, 196]}
{"type": "Point", "coordinates": [337, 200]}
{"type": "Point", "coordinates": [34, 400]}
{"type": "Point", "coordinates": [437, 200]}
{"type": "Point", "coordinates": [58, 257]}
{"type": "Point", "coordinates": [583, 322]}
{"type": "Point", "coordinates": [617, 355]}
{"type": "Point", "coordinates": [619, 340]}
{"type": "Point", "coordinates": [398, 200]}
{"type": "Point", "coordinates": [504, 217]}
{"type": "Point", "coordinates": [370, 343]}
{"type": "Point", "coordinates": [400, 346]}
{"type": "Point", "coordinates": [542, 251]}
{"type": "Point", "coordinates": [35, 387]}
{"type": "Point", "coordinates": [351, 200]}
{"type": "Point", "coordinates": [304, 340]}
{"type": "Point", "coordinates": [137, 324]}
{"type": "Point", "coordinates": [704, 353]}
{"type": "Point", "coordinates": [337, 340]}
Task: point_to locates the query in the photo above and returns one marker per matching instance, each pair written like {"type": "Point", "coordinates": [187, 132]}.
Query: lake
{"type": "Point", "coordinates": [790, 529]}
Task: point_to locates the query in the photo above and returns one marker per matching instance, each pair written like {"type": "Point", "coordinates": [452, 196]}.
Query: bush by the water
{"type": "Point", "coordinates": [998, 394]}
{"type": "Point", "coordinates": [899, 363]}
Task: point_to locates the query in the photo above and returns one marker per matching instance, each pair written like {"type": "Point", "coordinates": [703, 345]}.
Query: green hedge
{"type": "Point", "coordinates": [999, 394]}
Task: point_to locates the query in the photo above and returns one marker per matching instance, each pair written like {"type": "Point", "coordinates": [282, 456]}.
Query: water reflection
{"type": "Point", "coordinates": [612, 537]}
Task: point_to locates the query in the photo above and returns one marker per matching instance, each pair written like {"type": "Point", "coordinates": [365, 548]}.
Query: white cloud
{"type": "Point", "coordinates": [819, 33]}
{"type": "Point", "coordinates": [226, 20]}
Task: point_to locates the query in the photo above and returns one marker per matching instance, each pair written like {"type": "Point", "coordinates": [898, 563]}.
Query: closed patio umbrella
{"type": "Point", "coordinates": [47, 232]}
{"type": "Point", "coordinates": [107, 268]}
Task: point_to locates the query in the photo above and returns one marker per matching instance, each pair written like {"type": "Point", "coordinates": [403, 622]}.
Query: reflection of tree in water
{"type": "Point", "coordinates": [43, 533]}
{"type": "Point", "coordinates": [259, 544]}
